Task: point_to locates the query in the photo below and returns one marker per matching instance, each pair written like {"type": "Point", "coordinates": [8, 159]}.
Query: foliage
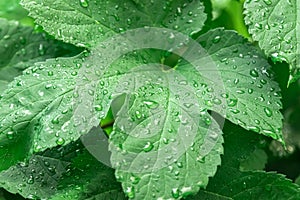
{"type": "Point", "coordinates": [190, 107]}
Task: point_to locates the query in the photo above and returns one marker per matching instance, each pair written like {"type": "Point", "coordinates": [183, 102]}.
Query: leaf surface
{"type": "Point", "coordinates": [230, 183]}
{"type": "Point", "coordinates": [87, 23]}
{"type": "Point", "coordinates": [275, 25]}
{"type": "Point", "coordinates": [21, 47]}
{"type": "Point", "coordinates": [164, 144]}
{"type": "Point", "coordinates": [62, 173]}
{"type": "Point", "coordinates": [243, 93]}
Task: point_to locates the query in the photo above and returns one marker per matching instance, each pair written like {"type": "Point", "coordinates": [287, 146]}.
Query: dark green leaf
{"type": "Point", "coordinates": [62, 173]}
{"type": "Point", "coordinates": [231, 183]}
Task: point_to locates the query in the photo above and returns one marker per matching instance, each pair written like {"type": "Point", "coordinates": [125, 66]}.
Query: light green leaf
{"type": "Point", "coordinates": [62, 173]}
{"type": "Point", "coordinates": [20, 48]}
{"type": "Point", "coordinates": [275, 25]}
{"type": "Point", "coordinates": [87, 22]}
{"type": "Point", "coordinates": [230, 183]}
{"type": "Point", "coordinates": [164, 144]}
{"type": "Point", "coordinates": [246, 91]}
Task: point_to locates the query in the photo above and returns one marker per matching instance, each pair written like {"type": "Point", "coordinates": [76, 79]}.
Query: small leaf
{"type": "Point", "coordinates": [275, 25]}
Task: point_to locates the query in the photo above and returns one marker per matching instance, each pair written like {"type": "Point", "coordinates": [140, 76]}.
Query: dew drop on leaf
{"type": "Point", "coordinates": [175, 193]}
{"type": "Point", "coordinates": [138, 114]}
{"type": "Point", "coordinates": [50, 73]}
{"type": "Point", "coordinates": [148, 147]}
{"type": "Point", "coordinates": [60, 141]}
{"type": "Point", "coordinates": [232, 102]}
{"type": "Point", "coordinates": [10, 135]}
{"type": "Point", "coordinates": [30, 180]}
{"type": "Point", "coordinates": [268, 2]}
{"type": "Point", "coordinates": [130, 192]}
{"type": "Point", "coordinates": [134, 179]}
{"type": "Point", "coordinates": [268, 112]}
{"type": "Point", "coordinates": [254, 73]}
{"type": "Point", "coordinates": [55, 120]}
{"type": "Point", "coordinates": [254, 128]}
{"type": "Point", "coordinates": [151, 104]}
{"type": "Point", "coordinates": [84, 3]}
{"type": "Point", "coordinates": [216, 39]}
{"type": "Point", "coordinates": [98, 107]}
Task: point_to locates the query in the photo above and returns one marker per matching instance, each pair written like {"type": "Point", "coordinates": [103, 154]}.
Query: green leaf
{"type": "Point", "coordinates": [42, 108]}
{"type": "Point", "coordinates": [255, 185]}
{"type": "Point", "coordinates": [87, 23]}
{"type": "Point", "coordinates": [164, 144]}
{"type": "Point", "coordinates": [28, 102]}
{"type": "Point", "coordinates": [20, 48]}
{"type": "Point", "coordinates": [230, 183]}
{"type": "Point", "coordinates": [245, 90]}
{"type": "Point", "coordinates": [274, 24]}
{"type": "Point", "coordinates": [62, 173]}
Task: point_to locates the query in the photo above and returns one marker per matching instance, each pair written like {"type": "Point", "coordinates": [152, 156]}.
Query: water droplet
{"type": "Point", "coordinates": [165, 140]}
{"type": "Point", "coordinates": [268, 2]}
{"type": "Point", "coordinates": [254, 128]}
{"type": "Point", "coordinates": [130, 192]}
{"type": "Point", "coordinates": [207, 120]}
{"type": "Point", "coordinates": [30, 180]}
{"type": "Point", "coordinates": [254, 73]}
{"type": "Point", "coordinates": [258, 25]}
{"type": "Point", "coordinates": [276, 57]}
{"type": "Point", "coordinates": [244, 185]}
{"type": "Point", "coordinates": [10, 135]}
{"type": "Point", "coordinates": [216, 39]}
{"type": "Point", "coordinates": [148, 147]}
{"type": "Point", "coordinates": [201, 159]}
{"type": "Point", "coordinates": [151, 104]}
{"type": "Point", "coordinates": [217, 101]}
{"type": "Point", "coordinates": [91, 92]}
{"type": "Point", "coordinates": [55, 120]}
{"type": "Point", "coordinates": [232, 102]}
{"type": "Point", "coordinates": [41, 50]}
{"type": "Point", "coordinates": [268, 112]}
{"type": "Point", "coordinates": [134, 179]}
{"type": "Point", "coordinates": [60, 141]}
{"type": "Point", "coordinates": [84, 3]}
{"type": "Point", "coordinates": [50, 73]}
{"type": "Point", "coordinates": [98, 108]}
{"type": "Point", "coordinates": [188, 105]}
{"type": "Point", "coordinates": [138, 114]}
{"type": "Point", "coordinates": [179, 165]}
{"type": "Point", "coordinates": [175, 193]}
{"type": "Point", "coordinates": [74, 73]}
